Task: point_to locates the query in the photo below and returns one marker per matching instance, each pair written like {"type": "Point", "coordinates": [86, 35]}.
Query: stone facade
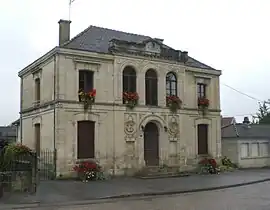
{"type": "Point", "coordinates": [119, 134]}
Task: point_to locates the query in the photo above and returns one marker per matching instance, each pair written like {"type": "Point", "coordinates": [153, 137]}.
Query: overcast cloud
{"type": "Point", "coordinates": [229, 35]}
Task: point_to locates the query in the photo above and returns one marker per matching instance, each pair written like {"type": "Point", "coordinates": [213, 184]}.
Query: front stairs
{"type": "Point", "coordinates": [151, 172]}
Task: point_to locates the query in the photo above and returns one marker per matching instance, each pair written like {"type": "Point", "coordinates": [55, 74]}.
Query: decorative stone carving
{"type": "Point", "coordinates": [164, 117]}
{"type": "Point", "coordinates": [36, 120]}
{"type": "Point", "coordinates": [148, 48]}
{"type": "Point", "coordinates": [141, 116]}
{"type": "Point", "coordinates": [130, 128]}
{"type": "Point", "coordinates": [36, 73]}
{"type": "Point", "coordinates": [173, 129]}
{"type": "Point", "coordinates": [184, 154]}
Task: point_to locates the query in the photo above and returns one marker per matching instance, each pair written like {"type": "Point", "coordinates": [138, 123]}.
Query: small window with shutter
{"type": "Point", "coordinates": [86, 80]}
{"type": "Point", "coordinates": [37, 90]}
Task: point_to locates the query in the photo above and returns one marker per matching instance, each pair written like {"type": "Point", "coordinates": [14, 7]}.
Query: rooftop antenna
{"type": "Point", "coordinates": [70, 2]}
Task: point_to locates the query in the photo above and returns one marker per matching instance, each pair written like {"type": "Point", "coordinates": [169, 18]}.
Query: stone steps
{"type": "Point", "coordinates": [161, 172]}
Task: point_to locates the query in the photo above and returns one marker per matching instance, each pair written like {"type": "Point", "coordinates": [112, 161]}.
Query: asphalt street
{"type": "Point", "coordinates": [250, 197]}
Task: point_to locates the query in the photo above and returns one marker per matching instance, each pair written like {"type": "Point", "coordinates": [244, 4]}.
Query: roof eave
{"type": "Point", "coordinates": [16, 122]}
{"type": "Point", "coordinates": [207, 70]}
{"type": "Point", "coordinates": [38, 61]}
{"type": "Point", "coordinates": [87, 53]}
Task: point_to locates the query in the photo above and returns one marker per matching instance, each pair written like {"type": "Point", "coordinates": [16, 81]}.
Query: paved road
{"type": "Point", "coordinates": [242, 198]}
{"type": "Point", "coordinates": [250, 197]}
{"type": "Point", "coordinates": [69, 191]}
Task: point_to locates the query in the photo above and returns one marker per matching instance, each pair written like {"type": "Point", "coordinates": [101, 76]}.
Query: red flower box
{"type": "Point", "coordinates": [173, 102]}
{"type": "Point", "coordinates": [88, 98]}
{"type": "Point", "coordinates": [130, 99]}
{"type": "Point", "coordinates": [203, 102]}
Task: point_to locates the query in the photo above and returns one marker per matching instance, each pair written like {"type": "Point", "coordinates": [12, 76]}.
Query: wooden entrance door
{"type": "Point", "coordinates": [202, 139]}
{"type": "Point", "coordinates": [86, 139]}
{"type": "Point", "coordinates": [151, 144]}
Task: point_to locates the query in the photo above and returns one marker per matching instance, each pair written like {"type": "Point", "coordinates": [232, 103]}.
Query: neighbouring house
{"type": "Point", "coordinates": [16, 125]}
{"type": "Point", "coordinates": [8, 133]}
{"type": "Point", "coordinates": [103, 127]}
{"type": "Point", "coordinates": [247, 144]}
{"type": "Point", "coordinates": [227, 121]}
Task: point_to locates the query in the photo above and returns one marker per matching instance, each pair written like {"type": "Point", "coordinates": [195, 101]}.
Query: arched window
{"type": "Point", "coordinates": [129, 79]}
{"type": "Point", "coordinates": [171, 84]}
{"type": "Point", "coordinates": [151, 93]}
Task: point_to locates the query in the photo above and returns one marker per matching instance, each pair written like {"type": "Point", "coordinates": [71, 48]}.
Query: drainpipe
{"type": "Point", "coordinates": [114, 158]}
{"type": "Point", "coordinates": [21, 95]}
{"type": "Point", "coordinates": [54, 113]}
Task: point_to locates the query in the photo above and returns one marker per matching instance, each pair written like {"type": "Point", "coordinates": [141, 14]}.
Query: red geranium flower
{"type": "Point", "coordinates": [203, 102]}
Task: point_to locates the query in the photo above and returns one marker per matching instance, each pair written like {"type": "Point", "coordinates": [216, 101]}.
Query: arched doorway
{"type": "Point", "coordinates": [151, 144]}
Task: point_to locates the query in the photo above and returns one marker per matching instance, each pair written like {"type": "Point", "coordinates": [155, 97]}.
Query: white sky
{"type": "Point", "coordinates": [233, 36]}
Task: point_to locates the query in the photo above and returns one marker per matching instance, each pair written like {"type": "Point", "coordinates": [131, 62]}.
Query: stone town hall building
{"type": "Point", "coordinates": [121, 139]}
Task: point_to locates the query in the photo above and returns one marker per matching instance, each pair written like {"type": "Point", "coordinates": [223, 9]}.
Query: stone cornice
{"type": "Point", "coordinates": [85, 55]}
{"type": "Point", "coordinates": [79, 55]}
{"type": "Point", "coordinates": [204, 71]}
{"type": "Point", "coordinates": [35, 65]}
{"type": "Point", "coordinates": [61, 101]}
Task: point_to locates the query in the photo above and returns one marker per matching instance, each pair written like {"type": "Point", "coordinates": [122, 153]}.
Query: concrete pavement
{"type": "Point", "coordinates": [248, 197]}
{"type": "Point", "coordinates": [70, 192]}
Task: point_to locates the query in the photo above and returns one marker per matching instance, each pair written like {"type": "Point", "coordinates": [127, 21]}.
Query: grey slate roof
{"type": "Point", "coordinates": [96, 39]}
{"type": "Point", "coordinates": [241, 130]}
{"type": "Point", "coordinates": [7, 133]}
{"type": "Point", "coordinates": [15, 123]}
{"type": "Point", "coordinates": [226, 121]}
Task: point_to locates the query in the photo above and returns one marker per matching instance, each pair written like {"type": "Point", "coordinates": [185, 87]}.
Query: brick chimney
{"type": "Point", "coordinates": [64, 31]}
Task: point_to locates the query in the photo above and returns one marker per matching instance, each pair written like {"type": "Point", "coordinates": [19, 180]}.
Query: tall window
{"type": "Point", "coordinates": [37, 139]}
{"type": "Point", "coordinates": [37, 90]}
{"type": "Point", "coordinates": [201, 90]}
{"type": "Point", "coordinates": [86, 80]}
{"type": "Point", "coordinates": [129, 80]}
{"type": "Point", "coordinates": [85, 139]}
{"type": "Point", "coordinates": [151, 93]}
{"type": "Point", "coordinates": [202, 139]}
{"type": "Point", "coordinates": [171, 84]}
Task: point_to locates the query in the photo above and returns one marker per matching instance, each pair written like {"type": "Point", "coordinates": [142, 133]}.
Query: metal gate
{"type": "Point", "coordinates": [46, 165]}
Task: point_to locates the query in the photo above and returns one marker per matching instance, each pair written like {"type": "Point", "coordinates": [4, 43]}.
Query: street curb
{"type": "Point", "coordinates": [183, 191]}
{"type": "Point", "coordinates": [110, 199]}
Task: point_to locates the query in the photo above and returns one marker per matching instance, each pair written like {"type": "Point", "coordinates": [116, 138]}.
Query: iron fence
{"type": "Point", "coordinates": [46, 165]}
{"type": "Point", "coordinates": [24, 172]}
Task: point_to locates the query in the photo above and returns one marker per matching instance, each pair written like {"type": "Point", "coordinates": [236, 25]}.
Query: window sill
{"type": "Point", "coordinates": [152, 106]}
{"type": "Point", "coordinates": [173, 139]}
{"type": "Point", "coordinates": [202, 155]}
{"type": "Point", "coordinates": [257, 157]}
{"type": "Point", "coordinates": [36, 103]}
{"type": "Point", "coordinates": [85, 159]}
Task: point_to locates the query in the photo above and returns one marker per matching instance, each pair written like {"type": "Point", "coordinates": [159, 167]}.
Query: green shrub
{"type": "Point", "coordinates": [227, 162]}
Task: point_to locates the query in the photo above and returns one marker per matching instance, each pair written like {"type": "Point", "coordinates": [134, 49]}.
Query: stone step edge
{"type": "Point", "coordinates": [159, 176]}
